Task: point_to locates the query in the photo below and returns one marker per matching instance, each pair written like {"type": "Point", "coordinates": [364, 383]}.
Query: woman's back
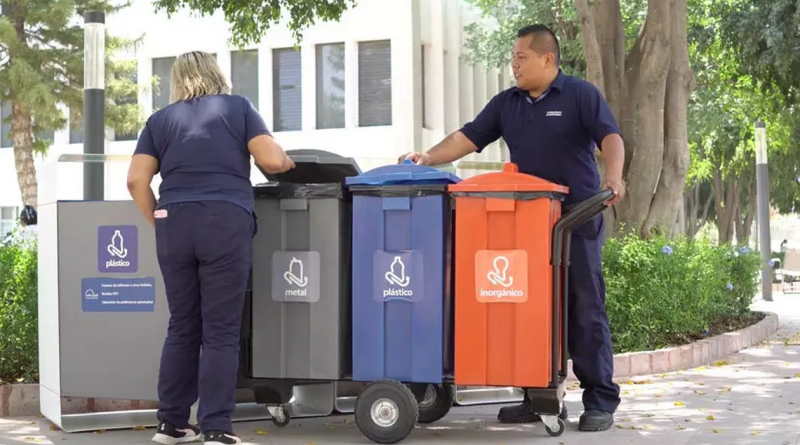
{"type": "Point", "coordinates": [201, 146]}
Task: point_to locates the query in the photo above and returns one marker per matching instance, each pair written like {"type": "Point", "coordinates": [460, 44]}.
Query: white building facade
{"type": "Point", "coordinates": [386, 79]}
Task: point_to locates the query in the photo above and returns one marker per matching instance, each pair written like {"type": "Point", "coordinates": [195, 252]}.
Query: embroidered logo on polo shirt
{"type": "Point", "coordinates": [553, 114]}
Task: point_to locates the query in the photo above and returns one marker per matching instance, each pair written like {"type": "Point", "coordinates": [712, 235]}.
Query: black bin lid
{"type": "Point", "coordinates": [316, 167]}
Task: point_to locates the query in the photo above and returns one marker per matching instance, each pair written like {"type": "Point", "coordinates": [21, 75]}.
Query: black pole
{"type": "Point", "coordinates": [762, 186]}
{"type": "Point", "coordinates": [94, 99]}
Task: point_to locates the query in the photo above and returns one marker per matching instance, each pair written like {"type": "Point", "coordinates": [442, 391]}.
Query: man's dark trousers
{"type": "Point", "coordinates": [589, 336]}
{"type": "Point", "coordinates": [205, 252]}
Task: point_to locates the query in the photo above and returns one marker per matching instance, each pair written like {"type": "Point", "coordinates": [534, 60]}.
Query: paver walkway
{"type": "Point", "coordinates": [750, 398]}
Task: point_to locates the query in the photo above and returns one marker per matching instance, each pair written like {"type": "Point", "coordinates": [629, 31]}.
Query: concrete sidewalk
{"type": "Point", "coordinates": [751, 398]}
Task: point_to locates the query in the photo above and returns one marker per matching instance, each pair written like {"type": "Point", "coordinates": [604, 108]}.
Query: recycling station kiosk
{"type": "Point", "coordinates": [316, 331]}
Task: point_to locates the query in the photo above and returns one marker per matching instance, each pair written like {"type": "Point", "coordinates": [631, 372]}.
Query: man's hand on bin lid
{"type": "Point", "coordinates": [417, 158]}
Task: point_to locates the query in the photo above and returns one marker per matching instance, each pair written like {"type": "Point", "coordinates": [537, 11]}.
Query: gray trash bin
{"type": "Point", "coordinates": [301, 271]}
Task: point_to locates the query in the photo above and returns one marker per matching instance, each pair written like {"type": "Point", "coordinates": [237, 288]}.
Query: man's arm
{"type": "Point", "coordinates": [601, 124]}
{"type": "Point", "coordinates": [453, 147]}
{"type": "Point", "coordinates": [472, 137]}
{"type": "Point", "coordinates": [614, 155]}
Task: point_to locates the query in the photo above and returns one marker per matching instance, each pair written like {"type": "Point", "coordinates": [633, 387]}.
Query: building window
{"type": "Point", "coordinates": [244, 74]}
{"type": "Point", "coordinates": [161, 69]}
{"type": "Point", "coordinates": [330, 85]}
{"type": "Point", "coordinates": [8, 220]}
{"type": "Point", "coordinates": [287, 90]}
{"type": "Point", "coordinates": [449, 100]}
{"type": "Point", "coordinates": [130, 100]}
{"type": "Point", "coordinates": [426, 62]}
{"type": "Point", "coordinates": [375, 83]}
{"type": "Point", "coordinates": [5, 125]}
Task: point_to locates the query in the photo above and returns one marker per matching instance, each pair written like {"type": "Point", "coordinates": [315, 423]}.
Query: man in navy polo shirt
{"type": "Point", "coordinates": [551, 123]}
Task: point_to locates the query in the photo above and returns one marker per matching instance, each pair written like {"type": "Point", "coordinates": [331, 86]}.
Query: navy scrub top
{"type": "Point", "coordinates": [201, 148]}
{"type": "Point", "coordinates": [553, 136]}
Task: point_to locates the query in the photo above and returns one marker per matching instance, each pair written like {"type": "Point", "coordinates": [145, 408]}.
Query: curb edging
{"type": "Point", "coordinates": [23, 399]}
{"type": "Point", "coordinates": [693, 355]}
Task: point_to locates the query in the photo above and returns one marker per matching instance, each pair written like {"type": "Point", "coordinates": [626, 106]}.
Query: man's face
{"type": "Point", "coordinates": [530, 68]}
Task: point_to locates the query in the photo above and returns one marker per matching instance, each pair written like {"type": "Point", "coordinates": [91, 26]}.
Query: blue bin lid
{"type": "Point", "coordinates": [406, 173]}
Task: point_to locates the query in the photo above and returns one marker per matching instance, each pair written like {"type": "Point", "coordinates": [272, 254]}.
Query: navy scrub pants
{"type": "Point", "coordinates": [205, 253]}
{"type": "Point", "coordinates": [589, 335]}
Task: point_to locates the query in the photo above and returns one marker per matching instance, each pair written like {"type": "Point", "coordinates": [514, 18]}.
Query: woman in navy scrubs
{"type": "Point", "coordinates": [204, 222]}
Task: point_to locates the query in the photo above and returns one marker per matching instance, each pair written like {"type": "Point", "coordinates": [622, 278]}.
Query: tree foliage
{"type": "Point", "coordinates": [41, 66]}
{"type": "Point", "coordinates": [734, 90]}
{"type": "Point", "coordinates": [250, 20]}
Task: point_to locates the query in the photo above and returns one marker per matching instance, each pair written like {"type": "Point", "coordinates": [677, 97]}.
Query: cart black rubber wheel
{"type": "Point", "coordinates": [436, 404]}
{"type": "Point", "coordinates": [386, 412]}
{"type": "Point", "coordinates": [556, 432]}
{"type": "Point", "coordinates": [287, 417]}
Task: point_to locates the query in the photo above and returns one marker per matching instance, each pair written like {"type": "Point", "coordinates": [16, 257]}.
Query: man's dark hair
{"type": "Point", "coordinates": [544, 40]}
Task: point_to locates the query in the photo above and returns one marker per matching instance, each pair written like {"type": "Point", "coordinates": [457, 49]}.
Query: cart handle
{"type": "Point", "coordinates": [580, 213]}
{"type": "Point", "coordinates": [574, 217]}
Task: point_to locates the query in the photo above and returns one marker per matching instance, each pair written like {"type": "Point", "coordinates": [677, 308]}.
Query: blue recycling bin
{"type": "Point", "coordinates": [402, 273]}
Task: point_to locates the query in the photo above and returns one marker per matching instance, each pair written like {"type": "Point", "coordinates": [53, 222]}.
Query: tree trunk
{"type": "Point", "coordinates": [747, 215]}
{"type": "Point", "coordinates": [21, 128]}
{"type": "Point", "coordinates": [591, 47]}
{"type": "Point", "coordinates": [691, 207]}
{"type": "Point", "coordinates": [726, 197]}
{"type": "Point", "coordinates": [676, 136]}
{"type": "Point", "coordinates": [646, 163]}
{"type": "Point", "coordinates": [636, 89]}
{"type": "Point", "coordinates": [22, 132]}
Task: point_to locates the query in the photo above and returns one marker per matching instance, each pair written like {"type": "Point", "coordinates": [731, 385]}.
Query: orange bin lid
{"type": "Point", "coordinates": [509, 180]}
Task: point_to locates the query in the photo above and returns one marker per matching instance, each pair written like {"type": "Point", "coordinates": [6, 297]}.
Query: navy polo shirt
{"type": "Point", "coordinates": [201, 148]}
{"type": "Point", "coordinates": [553, 136]}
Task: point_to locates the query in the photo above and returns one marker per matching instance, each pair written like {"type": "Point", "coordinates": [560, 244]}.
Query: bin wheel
{"type": "Point", "coordinates": [280, 415]}
{"type": "Point", "coordinates": [436, 404]}
{"type": "Point", "coordinates": [386, 412]}
{"type": "Point", "coordinates": [557, 428]}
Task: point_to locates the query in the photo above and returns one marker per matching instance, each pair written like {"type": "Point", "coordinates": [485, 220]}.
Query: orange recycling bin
{"type": "Point", "coordinates": [505, 321]}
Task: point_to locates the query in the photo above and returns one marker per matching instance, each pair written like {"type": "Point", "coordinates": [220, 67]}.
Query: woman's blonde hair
{"type": "Point", "coordinates": [196, 74]}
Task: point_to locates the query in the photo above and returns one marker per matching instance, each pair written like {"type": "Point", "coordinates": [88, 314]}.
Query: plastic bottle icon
{"type": "Point", "coordinates": [295, 275]}
{"type": "Point", "coordinates": [117, 246]}
{"type": "Point", "coordinates": [397, 273]}
{"type": "Point", "coordinates": [498, 276]}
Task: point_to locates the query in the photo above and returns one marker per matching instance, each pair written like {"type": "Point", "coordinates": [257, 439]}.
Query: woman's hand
{"type": "Point", "coordinates": [269, 155]}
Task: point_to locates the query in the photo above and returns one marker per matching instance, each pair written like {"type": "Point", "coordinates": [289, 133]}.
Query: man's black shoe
{"type": "Point", "coordinates": [522, 413]}
{"type": "Point", "coordinates": [596, 420]}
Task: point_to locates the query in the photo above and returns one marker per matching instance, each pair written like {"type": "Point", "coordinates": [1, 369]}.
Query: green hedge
{"type": "Point", "coordinates": [658, 293]}
{"type": "Point", "coordinates": [662, 291]}
{"type": "Point", "coordinates": [19, 350]}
